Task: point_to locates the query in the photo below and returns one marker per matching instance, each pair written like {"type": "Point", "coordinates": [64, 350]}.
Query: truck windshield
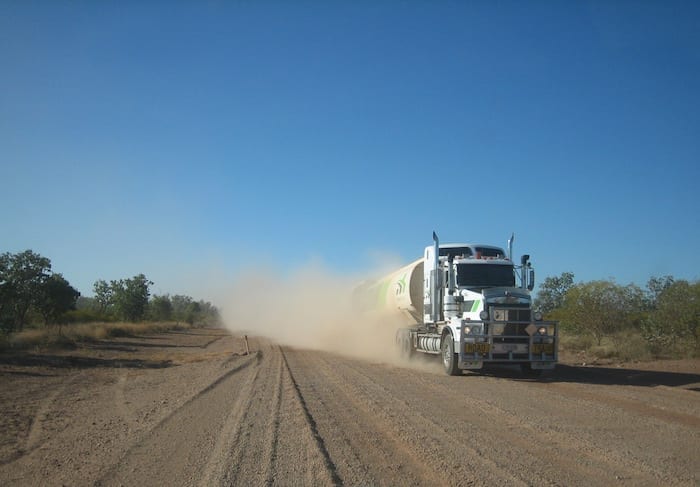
{"type": "Point", "coordinates": [485, 275]}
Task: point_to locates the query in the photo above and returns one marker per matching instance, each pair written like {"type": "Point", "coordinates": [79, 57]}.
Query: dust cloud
{"type": "Point", "coordinates": [311, 308]}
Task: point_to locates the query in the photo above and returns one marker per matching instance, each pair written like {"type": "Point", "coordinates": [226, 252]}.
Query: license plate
{"type": "Point", "coordinates": [543, 348]}
{"type": "Point", "coordinates": [477, 347]}
{"type": "Point", "coordinates": [510, 347]}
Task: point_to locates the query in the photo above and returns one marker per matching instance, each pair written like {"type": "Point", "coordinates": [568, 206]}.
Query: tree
{"type": "Point", "coordinates": [6, 293]}
{"type": "Point", "coordinates": [180, 306]}
{"type": "Point", "coordinates": [104, 295]}
{"type": "Point", "coordinates": [161, 309]}
{"type": "Point", "coordinates": [131, 297]}
{"type": "Point", "coordinates": [656, 286]}
{"type": "Point", "coordinates": [209, 313]}
{"type": "Point", "coordinates": [601, 308]}
{"type": "Point", "coordinates": [23, 275]}
{"type": "Point", "coordinates": [193, 311]}
{"type": "Point", "coordinates": [86, 303]}
{"type": "Point", "coordinates": [552, 292]}
{"type": "Point", "coordinates": [673, 327]}
{"type": "Point", "coordinates": [190, 311]}
{"type": "Point", "coordinates": [56, 296]}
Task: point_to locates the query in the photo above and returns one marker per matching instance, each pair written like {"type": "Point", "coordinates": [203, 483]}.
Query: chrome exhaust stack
{"type": "Point", "coordinates": [510, 246]}
{"type": "Point", "coordinates": [435, 281]}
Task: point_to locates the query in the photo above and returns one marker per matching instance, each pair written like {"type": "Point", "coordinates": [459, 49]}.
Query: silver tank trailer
{"type": "Point", "coordinates": [400, 291]}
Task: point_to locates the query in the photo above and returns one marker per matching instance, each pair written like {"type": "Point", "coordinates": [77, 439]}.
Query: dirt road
{"type": "Point", "coordinates": [191, 408]}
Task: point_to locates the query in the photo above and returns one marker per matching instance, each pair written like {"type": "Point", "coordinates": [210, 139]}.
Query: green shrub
{"type": "Point", "coordinates": [631, 346]}
{"type": "Point", "coordinates": [86, 315]}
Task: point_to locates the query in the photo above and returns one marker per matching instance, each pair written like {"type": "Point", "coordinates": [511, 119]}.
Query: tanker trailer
{"type": "Point", "coordinates": [400, 291]}
{"type": "Point", "coordinates": [461, 302]}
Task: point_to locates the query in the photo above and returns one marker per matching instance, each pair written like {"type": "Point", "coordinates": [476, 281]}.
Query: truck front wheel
{"type": "Point", "coordinates": [450, 360]}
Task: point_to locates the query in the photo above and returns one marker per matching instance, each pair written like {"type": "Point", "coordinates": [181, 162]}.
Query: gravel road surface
{"type": "Point", "coordinates": [192, 408]}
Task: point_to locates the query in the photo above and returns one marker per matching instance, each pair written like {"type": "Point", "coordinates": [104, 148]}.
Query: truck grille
{"type": "Point", "coordinates": [510, 321]}
{"type": "Point", "coordinates": [510, 314]}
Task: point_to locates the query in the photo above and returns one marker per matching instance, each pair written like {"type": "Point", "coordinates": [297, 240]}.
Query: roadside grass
{"type": "Point", "coordinates": [624, 346]}
{"type": "Point", "coordinates": [69, 336]}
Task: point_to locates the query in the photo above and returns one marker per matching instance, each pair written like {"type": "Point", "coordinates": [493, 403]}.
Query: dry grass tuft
{"type": "Point", "coordinates": [623, 346]}
{"type": "Point", "coordinates": [70, 335]}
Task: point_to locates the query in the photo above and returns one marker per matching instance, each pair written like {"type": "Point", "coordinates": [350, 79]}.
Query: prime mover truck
{"type": "Point", "coordinates": [470, 304]}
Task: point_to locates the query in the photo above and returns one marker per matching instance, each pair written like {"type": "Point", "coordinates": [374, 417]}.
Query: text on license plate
{"type": "Point", "coordinates": [477, 347]}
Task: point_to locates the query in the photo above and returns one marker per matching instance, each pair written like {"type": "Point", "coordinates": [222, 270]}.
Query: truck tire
{"type": "Point", "coordinates": [450, 360]}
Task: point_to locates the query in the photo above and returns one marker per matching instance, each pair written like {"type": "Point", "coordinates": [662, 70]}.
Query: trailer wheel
{"type": "Point", "coordinates": [450, 360]}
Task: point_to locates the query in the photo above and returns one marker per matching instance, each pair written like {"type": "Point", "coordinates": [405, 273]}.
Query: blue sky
{"type": "Point", "coordinates": [182, 138]}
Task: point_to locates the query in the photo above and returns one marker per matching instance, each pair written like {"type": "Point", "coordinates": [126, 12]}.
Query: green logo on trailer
{"type": "Point", "coordinates": [401, 285]}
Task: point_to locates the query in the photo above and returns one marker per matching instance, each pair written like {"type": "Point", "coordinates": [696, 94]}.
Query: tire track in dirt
{"type": "Point", "coordinates": [332, 469]}
{"type": "Point", "coordinates": [556, 452]}
{"type": "Point", "coordinates": [245, 428]}
{"type": "Point", "coordinates": [464, 433]}
{"type": "Point", "coordinates": [526, 419]}
{"type": "Point", "coordinates": [35, 436]}
{"type": "Point", "coordinates": [301, 459]}
{"type": "Point", "coordinates": [275, 443]}
{"type": "Point", "coordinates": [633, 406]}
{"type": "Point", "coordinates": [502, 427]}
{"type": "Point", "coordinates": [275, 409]}
{"type": "Point", "coordinates": [222, 457]}
{"type": "Point", "coordinates": [173, 451]}
{"type": "Point", "coordinates": [120, 402]}
{"type": "Point", "coordinates": [286, 416]}
{"type": "Point", "coordinates": [212, 341]}
{"type": "Point", "coordinates": [246, 455]}
{"type": "Point", "coordinates": [375, 443]}
{"type": "Point", "coordinates": [490, 430]}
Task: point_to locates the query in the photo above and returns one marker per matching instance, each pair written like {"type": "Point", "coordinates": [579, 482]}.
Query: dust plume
{"type": "Point", "coordinates": [312, 308]}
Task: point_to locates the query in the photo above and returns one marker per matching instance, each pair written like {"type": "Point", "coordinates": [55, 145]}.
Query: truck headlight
{"type": "Point", "coordinates": [542, 330]}
{"type": "Point", "coordinates": [476, 330]}
{"type": "Point", "coordinates": [472, 329]}
{"type": "Point", "coordinates": [537, 316]}
{"type": "Point", "coordinates": [484, 315]}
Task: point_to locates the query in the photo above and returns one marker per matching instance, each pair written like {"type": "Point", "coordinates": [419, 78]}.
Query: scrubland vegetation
{"type": "Point", "coordinates": [71, 336]}
{"type": "Point", "coordinates": [598, 319]}
{"type": "Point", "coordinates": [39, 308]}
{"type": "Point", "coordinates": [603, 319]}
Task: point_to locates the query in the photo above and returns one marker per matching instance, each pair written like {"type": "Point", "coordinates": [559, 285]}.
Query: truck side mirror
{"type": "Point", "coordinates": [531, 279]}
